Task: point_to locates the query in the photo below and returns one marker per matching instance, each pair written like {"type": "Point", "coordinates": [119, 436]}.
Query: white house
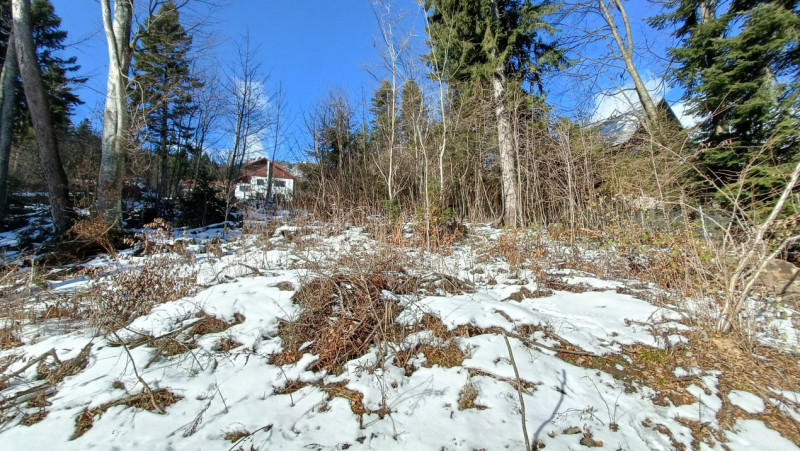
{"type": "Point", "coordinates": [253, 182]}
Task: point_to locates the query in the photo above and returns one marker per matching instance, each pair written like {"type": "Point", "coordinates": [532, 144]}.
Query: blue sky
{"type": "Point", "coordinates": [313, 46]}
{"type": "Point", "coordinates": [307, 46]}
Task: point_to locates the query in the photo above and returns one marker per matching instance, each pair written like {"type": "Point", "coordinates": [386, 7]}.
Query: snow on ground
{"type": "Point", "coordinates": [237, 394]}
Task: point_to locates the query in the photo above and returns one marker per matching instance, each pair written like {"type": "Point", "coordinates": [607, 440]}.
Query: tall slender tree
{"type": "Point", "coordinates": [502, 42]}
{"type": "Point", "coordinates": [7, 103]}
{"type": "Point", "coordinates": [41, 116]}
{"type": "Point", "coordinates": [117, 26]}
{"type": "Point", "coordinates": [57, 76]}
{"type": "Point", "coordinates": [162, 91]}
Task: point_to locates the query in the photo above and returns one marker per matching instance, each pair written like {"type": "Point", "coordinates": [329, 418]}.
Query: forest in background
{"type": "Point", "coordinates": [462, 132]}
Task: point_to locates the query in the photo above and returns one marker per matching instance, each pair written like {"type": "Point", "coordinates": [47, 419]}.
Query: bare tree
{"type": "Point", "coordinates": [115, 116]}
{"type": "Point", "coordinates": [278, 131]}
{"type": "Point", "coordinates": [247, 113]}
{"type": "Point", "coordinates": [36, 97]}
{"type": "Point", "coordinates": [589, 27]}
{"type": "Point", "coordinates": [393, 60]}
{"type": "Point", "coordinates": [625, 48]}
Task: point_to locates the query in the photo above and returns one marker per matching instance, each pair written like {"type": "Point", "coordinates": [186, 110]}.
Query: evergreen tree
{"type": "Point", "coordinates": [162, 91]}
{"type": "Point", "coordinates": [48, 37]}
{"type": "Point", "coordinates": [412, 110]}
{"type": "Point", "coordinates": [500, 42]}
{"type": "Point", "coordinates": [741, 69]}
{"type": "Point", "coordinates": [479, 40]}
{"type": "Point", "coordinates": [48, 40]}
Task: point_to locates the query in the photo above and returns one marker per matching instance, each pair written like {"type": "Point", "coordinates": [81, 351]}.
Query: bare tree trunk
{"type": "Point", "coordinates": [42, 120]}
{"type": "Point", "coordinates": [7, 101]}
{"type": "Point", "coordinates": [115, 115]}
{"type": "Point", "coordinates": [506, 146]}
{"type": "Point", "coordinates": [626, 53]}
{"type": "Point", "coordinates": [708, 10]}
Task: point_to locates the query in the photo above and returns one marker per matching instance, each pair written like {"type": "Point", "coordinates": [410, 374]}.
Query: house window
{"type": "Point", "coordinates": [244, 188]}
{"type": "Point", "coordinates": [280, 183]}
{"type": "Point", "coordinates": [260, 182]}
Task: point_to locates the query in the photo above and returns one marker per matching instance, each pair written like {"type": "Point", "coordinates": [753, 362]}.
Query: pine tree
{"type": "Point", "coordinates": [501, 42]}
{"type": "Point", "coordinates": [59, 84]}
{"type": "Point", "coordinates": [741, 69]}
{"type": "Point", "coordinates": [162, 91]}
{"type": "Point", "coordinates": [56, 70]}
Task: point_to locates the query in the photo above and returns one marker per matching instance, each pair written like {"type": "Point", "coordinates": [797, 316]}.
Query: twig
{"type": "Point", "coordinates": [519, 393]}
{"type": "Point", "coordinates": [51, 352]}
{"type": "Point", "coordinates": [250, 434]}
{"type": "Point", "coordinates": [138, 376]}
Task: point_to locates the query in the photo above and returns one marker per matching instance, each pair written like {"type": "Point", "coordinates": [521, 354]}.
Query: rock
{"type": "Point", "coordinates": [780, 279]}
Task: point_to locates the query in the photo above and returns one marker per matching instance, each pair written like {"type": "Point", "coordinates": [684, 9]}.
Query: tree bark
{"type": "Point", "coordinates": [626, 52]}
{"type": "Point", "coordinates": [115, 115]}
{"type": "Point", "coordinates": [7, 102]}
{"type": "Point", "coordinates": [36, 97]}
{"type": "Point", "coordinates": [506, 146]}
{"type": "Point", "coordinates": [708, 10]}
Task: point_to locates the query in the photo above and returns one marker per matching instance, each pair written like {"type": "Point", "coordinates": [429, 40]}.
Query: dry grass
{"type": "Point", "coordinates": [227, 344]}
{"type": "Point", "coordinates": [154, 401]}
{"type": "Point", "coordinates": [32, 418]}
{"type": "Point", "coordinates": [236, 435]}
{"type": "Point", "coordinates": [467, 397]}
{"type": "Point", "coordinates": [9, 338]}
{"type": "Point", "coordinates": [446, 354]}
{"type": "Point", "coordinates": [209, 325]}
{"type": "Point", "coordinates": [55, 372]}
{"type": "Point", "coordinates": [285, 286]}
{"type": "Point", "coordinates": [170, 347]}
{"type": "Point", "coordinates": [119, 299]}
{"type": "Point", "coordinates": [342, 316]}
{"type": "Point", "coordinates": [752, 372]}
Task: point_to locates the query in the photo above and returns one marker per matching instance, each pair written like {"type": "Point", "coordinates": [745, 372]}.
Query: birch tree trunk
{"type": "Point", "coordinates": [39, 108]}
{"type": "Point", "coordinates": [115, 115]}
{"type": "Point", "coordinates": [506, 146]}
{"type": "Point", "coordinates": [7, 101]}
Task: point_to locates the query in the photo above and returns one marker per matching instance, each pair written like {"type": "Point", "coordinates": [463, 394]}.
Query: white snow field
{"type": "Point", "coordinates": [220, 391]}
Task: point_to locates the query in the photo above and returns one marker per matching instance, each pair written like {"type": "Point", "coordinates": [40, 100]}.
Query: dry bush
{"type": "Point", "coordinates": [437, 228]}
{"type": "Point", "coordinates": [467, 397]}
{"type": "Point", "coordinates": [14, 290]}
{"type": "Point", "coordinates": [95, 231]}
{"type": "Point", "coordinates": [120, 298]}
{"type": "Point", "coordinates": [9, 337]}
{"type": "Point", "coordinates": [342, 316]}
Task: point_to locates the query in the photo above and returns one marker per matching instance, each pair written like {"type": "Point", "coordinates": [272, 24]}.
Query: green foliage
{"type": "Point", "coordinates": [392, 208]}
{"type": "Point", "coordinates": [162, 92]}
{"type": "Point", "coordinates": [478, 39]}
{"type": "Point", "coordinates": [202, 205]}
{"type": "Point", "coordinates": [48, 37]}
{"type": "Point", "coordinates": [741, 69]}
